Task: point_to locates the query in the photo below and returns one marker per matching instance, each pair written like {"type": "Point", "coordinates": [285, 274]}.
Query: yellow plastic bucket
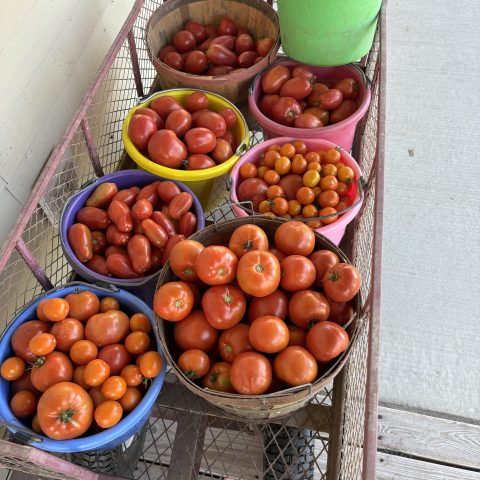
{"type": "Point", "coordinates": [200, 181]}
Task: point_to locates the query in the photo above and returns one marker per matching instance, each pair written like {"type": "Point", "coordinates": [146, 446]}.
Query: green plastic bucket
{"type": "Point", "coordinates": [327, 32]}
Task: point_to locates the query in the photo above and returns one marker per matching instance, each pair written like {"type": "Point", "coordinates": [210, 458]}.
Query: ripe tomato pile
{"type": "Point", "coordinates": [214, 50]}
{"type": "Point", "coordinates": [81, 366]}
{"type": "Point", "coordinates": [292, 182]}
{"type": "Point", "coordinates": [129, 233]}
{"type": "Point", "coordinates": [189, 135]}
{"type": "Point", "coordinates": [294, 97]}
{"type": "Point", "coordinates": [254, 317]}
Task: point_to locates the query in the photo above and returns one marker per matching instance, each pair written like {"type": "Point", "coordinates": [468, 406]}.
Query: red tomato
{"type": "Point", "coordinates": [269, 334]}
{"type": "Point", "coordinates": [140, 253]}
{"type": "Point", "coordinates": [179, 121]}
{"type": "Point", "coordinates": [218, 378]}
{"type": "Point", "coordinates": [199, 161]}
{"type": "Point", "coordinates": [258, 273]}
{"type": "Point", "coordinates": [116, 356]}
{"type": "Point", "coordinates": [303, 71]}
{"type": "Point", "coordinates": [243, 43]}
{"type": "Point", "coordinates": [349, 88]}
{"type": "Point", "coordinates": [184, 41]}
{"type": "Point", "coordinates": [65, 411]}
{"type": "Point", "coordinates": [212, 121]}
{"type": "Point", "coordinates": [149, 192]}
{"type": "Point", "coordinates": [194, 364]}
{"type": "Point", "coordinates": [295, 366]}
{"type": "Point", "coordinates": [198, 31]}
{"type": "Point", "coordinates": [165, 105]}
{"type": "Point", "coordinates": [264, 45]}
{"type": "Point", "coordinates": [298, 336]}
{"type": "Point", "coordinates": [307, 120]}
{"type": "Point", "coordinates": [228, 41]}
{"type": "Point", "coordinates": [221, 56]}
{"type": "Point", "coordinates": [195, 332]}
{"type": "Point", "coordinates": [121, 215]}
{"type": "Point", "coordinates": [23, 334]}
{"type": "Point", "coordinates": [234, 341]}
{"type": "Point", "coordinates": [129, 195]}
{"type": "Point", "coordinates": [247, 59]}
{"type": "Point", "coordinates": [285, 111]}
{"type": "Point", "coordinates": [149, 112]}
{"type": "Point", "coordinates": [120, 266]}
{"type": "Point", "coordinates": [183, 257]}
{"type": "Point", "coordinates": [222, 151]}
{"type": "Point", "coordinates": [200, 140]}
{"type": "Point", "coordinates": [275, 304]}
{"type": "Point", "coordinates": [297, 88]}
{"type": "Point", "coordinates": [107, 328]}
{"type": "Point", "coordinates": [251, 373]}
{"type": "Point", "coordinates": [318, 90]}
{"type": "Point", "coordinates": [298, 273]}
{"type": "Point", "coordinates": [266, 104]}
{"type": "Point", "coordinates": [323, 260]}
{"type": "Point", "coordinates": [83, 305]}
{"type": "Point", "coordinates": [211, 30]}
{"type": "Point", "coordinates": [246, 238]}
{"type": "Point", "coordinates": [167, 191]}
{"type": "Point", "coordinates": [66, 333]}
{"type": "Point", "coordinates": [140, 129]}
{"type": "Point", "coordinates": [154, 233]}
{"type": "Point", "coordinates": [179, 205]}
{"type": "Point", "coordinates": [343, 111]}
{"type": "Point", "coordinates": [174, 60]}
{"type": "Point", "coordinates": [227, 27]}
{"type": "Point", "coordinates": [224, 306]}
{"type": "Point", "coordinates": [94, 218]}
{"type": "Point", "coordinates": [172, 241]}
{"type": "Point", "coordinates": [341, 282]}
{"type": "Point", "coordinates": [216, 265]}
{"type": "Point", "coordinates": [295, 238]}
{"type": "Point", "coordinates": [80, 239]}
{"type": "Point", "coordinates": [188, 224]}
{"type": "Point", "coordinates": [166, 149]}
{"type": "Point", "coordinates": [219, 70]}
{"type": "Point", "coordinates": [164, 50]}
{"type": "Point", "coordinates": [231, 139]}
{"type": "Point", "coordinates": [116, 237]}
{"type": "Point", "coordinates": [291, 184]}
{"type": "Point", "coordinates": [322, 115]}
{"type": "Point", "coordinates": [99, 265]}
{"type": "Point", "coordinates": [326, 341]}
{"type": "Point", "coordinates": [308, 307]}
{"type": "Point", "coordinates": [130, 399]}
{"type": "Point", "coordinates": [250, 188]}
{"type": "Point", "coordinates": [102, 195]}
{"type": "Point", "coordinates": [330, 100]}
{"type": "Point", "coordinates": [161, 219]}
{"type": "Point", "coordinates": [340, 312]}
{"type": "Point", "coordinates": [99, 243]}
{"type": "Point", "coordinates": [51, 369]}
{"type": "Point", "coordinates": [196, 62]}
{"type": "Point", "coordinates": [274, 78]}
{"type": "Point", "coordinates": [173, 301]}
{"type": "Point", "coordinates": [196, 101]}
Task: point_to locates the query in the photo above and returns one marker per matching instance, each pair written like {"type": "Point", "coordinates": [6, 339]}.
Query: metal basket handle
{"type": "Point", "coordinates": [24, 434]}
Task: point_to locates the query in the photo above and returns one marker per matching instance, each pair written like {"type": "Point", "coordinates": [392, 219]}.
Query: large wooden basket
{"type": "Point", "coordinates": [255, 15]}
{"type": "Point", "coordinates": [254, 406]}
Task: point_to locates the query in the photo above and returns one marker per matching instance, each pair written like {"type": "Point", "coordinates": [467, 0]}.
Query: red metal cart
{"type": "Point", "coordinates": [333, 437]}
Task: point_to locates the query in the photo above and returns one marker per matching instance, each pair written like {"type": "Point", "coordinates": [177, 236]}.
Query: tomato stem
{"type": "Point", "coordinates": [259, 268]}
{"type": "Point", "coordinates": [38, 362]}
{"type": "Point", "coordinates": [334, 276]}
{"type": "Point", "coordinates": [190, 374]}
{"type": "Point", "coordinates": [66, 415]}
{"type": "Point", "coordinates": [227, 298]}
{"type": "Point", "coordinates": [178, 304]}
{"type": "Point", "coordinates": [248, 245]}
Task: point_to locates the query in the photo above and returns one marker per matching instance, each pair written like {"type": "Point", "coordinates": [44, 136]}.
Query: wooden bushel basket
{"type": "Point", "coordinates": [265, 406]}
{"type": "Point", "coordinates": [255, 15]}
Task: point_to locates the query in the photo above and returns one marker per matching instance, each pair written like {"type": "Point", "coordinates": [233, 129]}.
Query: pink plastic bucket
{"type": "Point", "coordinates": [340, 133]}
{"type": "Point", "coordinates": [334, 231]}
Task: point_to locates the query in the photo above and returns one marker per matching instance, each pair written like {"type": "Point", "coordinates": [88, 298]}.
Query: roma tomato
{"type": "Point", "coordinates": [164, 50]}
{"type": "Point", "coordinates": [330, 100]}
{"type": "Point", "coordinates": [82, 351]}
{"type": "Point", "coordinates": [318, 89]}
{"type": "Point", "coordinates": [258, 273]}
{"type": "Point", "coordinates": [295, 366]}
{"type": "Point", "coordinates": [297, 88]}
{"type": "Point", "coordinates": [51, 369]}
{"type": "Point", "coordinates": [165, 105]}
{"type": "Point", "coordinates": [340, 312]}
{"type": "Point", "coordinates": [184, 41]}
{"type": "Point", "coordinates": [65, 411]}
{"type": "Point", "coordinates": [14, 367]}
{"type": "Point", "coordinates": [222, 151]}
{"type": "Point", "coordinates": [218, 378]}
{"type": "Point", "coordinates": [22, 336]}
{"type": "Point", "coordinates": [341, 282]}
{"type": "Point", "coordinates": [266, 104]}
{"type": "Point", "coordinates": [166, 149]}
{"type": "Point", "coordinates": [130, 399]}
{"type": "Point", "coordinates": [99, 265]}
{"type": "Point", "coordinates": [247, 59]}
{"type": "Point", "coordinates": [82, 305]}
{"type": "Point", "coordinates": [149, 193]}
{"type": "Point", "coordinates": [102, 195]}
{"type": "Point", "coordinates": [129, 195]}
{"type": "Point", "coordinates": [234, 341]}
{"type": "Point", "coordinates": [107, 328]}
{"type": "Point", "coordinates": [303, 71]}
{"type": "Point", "coordinates": [212, 121]}
{"type": "Point", "coordinates": [227, 27]}
{"type": "Point", "coordinates": [116, 237]}
{"type": "Point", "coordinates": [96, 372]}
{"type": "Point", "coordinates": [264, 45]}
{"type": "Point", "coordinates": [179, 121]}
{"type": "Point", "coordinates": [173, 301]}
{"type": "Point", "coordinates": [195, 332]}
{"type": "Point", "coordinates": [219, 70]}
{"type": "Point", "coordinates": [244, 42]}
{"type": "Point", "coordinates": [194, 364]}
{"type": "Point", "coordinates": [349, 88]}
{"type": "Point", "coordinates": [326, 341]}
{"type": "Point", "coordinates": [246, 238]}
{"type": "Point", "coordinates": [198, 31]}
{"type": "Point", "coordinates": [66, 333]}
{"type": "Point", "coordinates": [23, 404]}
{"type": "Point", "coordinates": [116, 356]}
{"type": "Point", "coordinates": [274, 78]}
{"type": "Point", "coordinates": [167, 191]}
{"type": "Point", "coordinates": [150, 364]}
{"type": "Point", "coordinates": [152, 114]}
{"type": "Point", "coordinates": [179, 205]}
{"type": "Point", "coordinates": [221, 56]}
{"type": "Point", "coordinates": [224, 306]}
{"type": "Point", "coordinates": [200, 140]}
{"type": "Point", "coordinates": [80, 239]}
{"type": "Point", "coordinates": [275, 304]}
{"type": "Point", "coordinates": [140, 253]}
{"type": "Point", "coordinates": [298, 336]}
{"type": "Point", "coordinates": [199, 161]}
{"type": "Point", "coordinates": [172, 241]}
{"type": "Point", "coordinates": [142, 209]}
{"type": "Point", "coordinates": [155, 234]}
{"type": "Point", "coordinates": [269, 334]}
{"type": "Point", "coordinates": [229, 116]}
{"type": "Point", "coordinates": [251, 373]}
{"type": "Point", "coordinates": [99, 243]}
{"type": "Point", "coordinates": [285, 111]}
{"type": "Point", "coordinates": [307, 120]}
{"type": "Point", "coordinates": [295, 238]}
{"type": "Point", "coordinates": [227, 41]}
{"type": "Point", "coordinates": [175, 60]}
{"type": "Point", "coordinates": [322, 115]}
{"type": "Point", "coordinates": [323, 260]}
{"type": "Point", "coordinates": [216, 265]}
{"type": "Point", "coordinates": [196, 101]}
{"type": "Point", "coordinates": [183, 257]}
{"type": "Point", "coordinates": [161, 219]}
{"type": "Point", "coordinates": [298, 273]}
{"type": "Point", "coordinates": [108, 413]}
{"type": "Point", "coordinates": [187, 224]}
{"type": "Point", "coordinates": [196, 63]}
{"type": "Point", "coordinates": [308, 307]}
{"type": "Point", "coordinates": [94, 218]}
{"type": "Point", "coordinates": [120, 266]}
{"type": "Point", "coordinates": [343, 111]}
{"type": "Point", "coordinates": [140, 129]}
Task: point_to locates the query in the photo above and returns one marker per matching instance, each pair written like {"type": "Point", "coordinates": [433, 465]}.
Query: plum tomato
{"type": "Point", "coordinates": [102, 195]}
{"type": "Point", "coordinates": [251, 373]}
{"type": "Point", "coordinates": [247, 59]}
{"type": "Point", "coordinates": [274, 78]}
{"type": "Point", "coordinates": [187, 224]}
{"type": "Point", "coordinates": [246, 238]}
{"type": "Point", "coordinates": [221, 56]}
{"type": "Point", "coordinates": [307, 120]}
{"type": "Point", "coordinates": [167, 191]}
{"type": "Point", "coordinates": [222, 151]}
{"type": "Point", "coordinates": [179, 205]}
{"type": "Point", "coordinates": [227, 41]}
{"type": "Point", "coordinates": [82, 351]}
{"type": "Point", "coordinates": [321, 114]}
{"type": "Point", "coordinates": [179, 121]}
{"type": "Point", "coordinates": [341, 282]}
{"type": "Point", "coordinates": [330, 100]}
{"type": "Point", "coordinates": [120, 266]}
{"type": "Point", "coordinates": [258, 273]}
{"type": "Point", "coordinates": [196, 62]}
{"type": "Point", "coordinates": [198, 31]}
{"type": "Point", "coordinates": [212, 121]}
{"type": "Point", "coordinates": [149, 112]}
{"type": "Point", "coordinates": [140, 129]}
{"type": "Point", "coordinates": [195, 332]}
{"type": "Point", "coordinates": [297, 88]}
{"type": "Point", "coordinates": [173, 301]}
{"type": "Point", "coordinates": [184, 41]}
{"type": "Point", "coordinates": [326, 341]}
{"type": "Point", "coordinates": [166, 149]}
{"type": "Point", "coordinates": [196, 101]}
{"type": "Point", "coordinates": [264, 45]}
{"type": "Point", "coordinates": [303, 71]}
{"type": "Point", "coordinates": [94, 218]}
{"type": "Point", "coordinates": [266, 104]}
{"type": "Point", "coordinates": [307, 307]}
{"type": "Point", "coordinates": [121, 215]}
{"type": "Point", "coordinates": [227, 26]}
{"type": "Point", "coordinates": [349, 88]}
{"type": "Point", "coordinates": [80, 239]}
{"type": "Point", "coordinates": [164, 105]}
{"type": "Point", "coordinates": [224, 306]}
{"type": "Point", "coordinates": [343, 111]}
{"type": "Point", "coordinates": [285, 111]}
{"type": "Point", "coordinates": [200, 140]}
{"type": "Point", "coordinates": [199, 161]}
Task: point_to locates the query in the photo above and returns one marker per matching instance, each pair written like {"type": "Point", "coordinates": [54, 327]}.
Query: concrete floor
{"type": "Point", "coordinates": [431, 272]}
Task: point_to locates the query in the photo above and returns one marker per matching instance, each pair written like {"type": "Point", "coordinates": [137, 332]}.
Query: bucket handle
{"type": "Point", "coordinates": [24, 434]}
{"type": "Point", "coordinates": [228, 205]}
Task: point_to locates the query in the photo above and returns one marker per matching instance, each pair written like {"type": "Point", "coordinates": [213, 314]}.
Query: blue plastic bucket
{"type": "Point", "coordinates": [107, 439]}
{"type": "Point", "coordinates": [123, 179]}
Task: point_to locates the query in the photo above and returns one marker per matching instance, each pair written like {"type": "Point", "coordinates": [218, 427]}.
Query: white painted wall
{"type": "Point", "coordinates": [50, 51]}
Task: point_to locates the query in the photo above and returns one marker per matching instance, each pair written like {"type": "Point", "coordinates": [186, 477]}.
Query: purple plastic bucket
{"type": "Point", "coordinates": [340, 133]}
{"type": "Point", "coordinates": [333, 231]}
{"type": "Point", "coordinates": [123, 179]}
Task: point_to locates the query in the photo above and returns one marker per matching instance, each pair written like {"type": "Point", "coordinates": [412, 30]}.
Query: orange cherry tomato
{"type": "Point", "coordinates": [271, 177]}
{"type": "Point", "coordinates": [299, 164]}
{"type": "Point", "coordinates": [137, 342]}
{"type": "Point", "coordinates": [151, 364]}
{"type": "Point", "coordinates": [108, 413]}
{"type": "Point", "coordinates": [12, 368]}
{"type": "Point", "coordinates": [79, 377]}
{"type": "Point", "coordinates": [140, 322]}
{"type": "Point", "coordinates": [300, 147]}
{"type": "Point", "coordinates": [114, 388]}
{"type": "Point", "coordinates": [96, 372]}
{"type": "Point", "coordinates": [312, 157]}
{"type": "Point", "coordinates": [108, 303]}
{"type": "Point", "coordinates": [328, 198]}
{"type": "Point", "coordinates": [23, 404]}
{"type": "Point", "coordinates": [329, 183]}
{"type": "Point", "coordinates": [261, 171]}
{"type": "Point", "coordinates": [280, 206]}
{"type": "Point", "coordinates": [55, 309]}
{"type": "Point", "coordinates": [287, 150]}
{"type": "Point", "coordinates": [310, 211]}
{"type": "Point", "coordinates": [274, 191]}
{"type": "Point", "coordinates": [342, 188]}
{"type": "Point", "coordinates": [294, 207]}
{"type": "Point", "coordinates": [311, 178]}
{"type": "Point", "coordinates": [248, 170]}
{"type": "Point", "coordinates": [316, 191]}
{"type": "Point", "coordinates": [132, 375]}
{"type": "Point", "coordinates": [333, 155]}
{"type": "Point", "coordinates": [273, 148]}
{"type": "Point", "coordinates": [328, 211]}
{"type": "Point", "coordinates": [270, 158]}
{"type": "Point", "coordinates": [314, 166]}
{"type": "Point", "coordinates": [305, 195]}
{"type": "Point", "coordinates": [264, 206]}
{"type": "Point", "coordinates": [329, 169]}
{"type": "Point", "coordinates": [345, 174]}
{"type": "Point", "coordinates": [131, 399]}
{"type": "Point", "coordinates": [283, 165]}
{"type": "Point", "coordinates": [42, 344]}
